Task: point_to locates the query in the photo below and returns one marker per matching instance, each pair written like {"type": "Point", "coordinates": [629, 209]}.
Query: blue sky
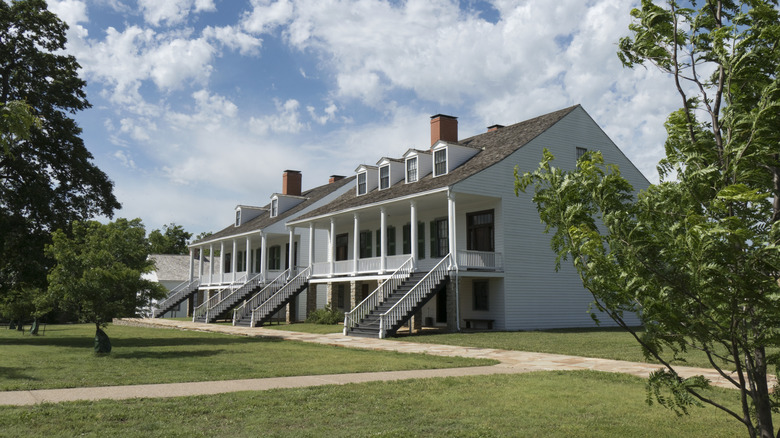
{"type": "Point", "coordinates": [199, 105]}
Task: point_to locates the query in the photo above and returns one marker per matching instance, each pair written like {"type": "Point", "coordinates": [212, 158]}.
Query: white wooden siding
{"type": "Point", "coordinates": [535, 295]}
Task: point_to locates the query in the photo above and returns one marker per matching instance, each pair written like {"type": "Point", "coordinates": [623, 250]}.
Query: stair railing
{"type": "Point", "coordinates": [280, 296]}
{"type": "Point", "coordinates": [176, 293]}
{"type": "Point", "coordinates": [205, 309]}
{"type": "Point", "coordinates": [415, 294]}
{"type": "Point", "coordinates": [379, 295]}
{"type": "Point", "coordinates": [258, 298]}
{"type": "Point", "coordinates": [215, 308]}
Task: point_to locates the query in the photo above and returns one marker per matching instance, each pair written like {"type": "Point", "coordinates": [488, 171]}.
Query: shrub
{"type": "Point", "coordinates": [326, 315]}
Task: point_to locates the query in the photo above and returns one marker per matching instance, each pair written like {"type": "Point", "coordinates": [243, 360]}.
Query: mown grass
{"type": "Point", "coordinates": [545, 404]}
{"type": "Point", "coordinates": [63, 358]}
{"type": "Point", "coordinates": [305, 327]}
{"type": "Point", "coordinates": [606, 343]}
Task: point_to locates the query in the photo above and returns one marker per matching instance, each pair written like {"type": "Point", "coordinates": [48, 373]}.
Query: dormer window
{"type": "Point", "coordinates": [274, 207]}
{"type": "Point", "coordinates": [238, 217]}
{"type": "Point", "coordinates": [361, 183]}
{"type": "Point", "coordinates": [440, 162]}
{"type": "Point", "coordinates": [384, 177]}
{"type": "Point", "coordinates": [411, 170]}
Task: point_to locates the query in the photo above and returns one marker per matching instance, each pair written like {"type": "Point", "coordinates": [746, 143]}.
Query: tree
{"type": "Point", "coordinates": [98, 271]}
{"type": "Point", "coordinates": [172, 241]}
{"type": "Point", "coordinates": [47, 179]}
{"type": "Point", "coordinates": [696, 256]}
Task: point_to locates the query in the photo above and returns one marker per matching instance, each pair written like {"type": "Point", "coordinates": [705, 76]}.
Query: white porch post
{"type": "Point", "coordinates": [331, 239]}
{"type": "Point", "coordinates": [234, 259]}
{"type": "Point", "coordinates": [291, 252]}
{"type": "Point", "coordinates": [452, 228]}
{"type": "Point", "coordinates": [211, 263]}
{"type": "Point", "coordinates": [263, 256]}
{"type": "Point", "coordinates": [356, 244]}
{"type": "Point", "coordinates": [248, 256]}
{"type": "Point", "coordinates": [192, 264]}
{"type": "Point", "coordinates": [222, 261]}
{"type": "Point", "coordinates": [201, 256]}
{"type": "Point", "coordinates": [413, 237]}
{"type": "Point", "coordinates": [383, 239]}
{"type": "Point", "coordinates": [311, 244]}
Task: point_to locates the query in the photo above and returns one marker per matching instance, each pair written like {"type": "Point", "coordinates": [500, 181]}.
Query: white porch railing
{"type": "Point", "coordinates": [224, 295]}
{"type": "Point", "coordinates": [365, 266]}
{"type": "Point", "coordinates": [320, 269]}
{"type": "Point", "coordinates": [492, 261]}
{"type": "Point", "coordinates": [378, 295]}
{"type": "Point", "coordinates": [280, 296]}
{"type": "Point", "coordinates": [371, 264]}
{"type": "Point", "coordinates": [258, 298]}
{"type": "Point", "coordinates": [417, 293]}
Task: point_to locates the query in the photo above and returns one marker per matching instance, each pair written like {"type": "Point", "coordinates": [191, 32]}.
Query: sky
{"type": "Point", "coordinates": [200, 105]}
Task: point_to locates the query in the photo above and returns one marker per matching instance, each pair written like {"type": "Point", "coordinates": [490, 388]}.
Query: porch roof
{"type": "Point", "coordinates": [494, 146]}
{"type": "Point", "coordinates": [265, 220]}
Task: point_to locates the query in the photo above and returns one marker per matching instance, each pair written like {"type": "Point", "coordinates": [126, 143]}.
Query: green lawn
{"type": "Point", "coordinates": [607, 343]}
{"type": "Point", "coordinates": [549, 404]}
{"type": "Point", "coordinates": [319, 329]}
{"type": "Point", "coordinates": [63, 358]}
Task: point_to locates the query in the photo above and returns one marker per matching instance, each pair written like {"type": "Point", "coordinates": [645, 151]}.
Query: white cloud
{"type": "Point", "coordinates": [330, 114]}
{"type": "Point", "coordinates": [72, 12]}
{"type": "Point", "coordinates": [124, 159]}
{"type": "Point", "coordinates": [234, 38]}
{"type": "Point", "coordinates": [172, 12]}
{"type": "Point", "coordinates": [286, 120]}
{"type": "Point", "coordinates": [266, 15]}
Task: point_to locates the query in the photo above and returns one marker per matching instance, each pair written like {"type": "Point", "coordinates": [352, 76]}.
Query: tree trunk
{"type": "Point", "coordinates": [102, 343]}
{"type": "Point", "coordinates": [761, 396]}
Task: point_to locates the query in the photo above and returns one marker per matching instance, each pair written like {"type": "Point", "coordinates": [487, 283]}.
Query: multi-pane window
{"type": "Point", "coordinates": [480, 231]}
{"type": "Point", "coordinates": [361, 183]}
{"type": "Point", "coordinates": [342, 246]}
{"type": "Point", "coordinates": [228, 268]}
{"type": "Point", "coordinates": [440, 242]}
{"type": "Point", "coordinates": [365, 244]}
{"type": "Point", "coordinates": [440, 162]}
{"type": "Point", "coordinates": [407, 239]}
{"type": "Point", "coordinates": [391, 241]}
{"type": "Point", "coordinates": [341, 296]}
{"type": "Point", "coordinates": [274, 207]}
{"type": "Point", "coordinates": [384, 177]}
{"type": "Point", "coordinates": [238, 217]}
{"type": "Point", "coordinates": [258, 259]}
{"type": "Point", "coordinates": [481, 293]}
{"type": "Point", "coordinates": [411, 169]}
{"type": "Point", "coordinates": [241, 261]}
{"type": "Point", "coordinates": [275, 258]}
{"type": "Point", "coordinates": [406, 244]}
{"type": "Point", "coordinates": [580, 152]}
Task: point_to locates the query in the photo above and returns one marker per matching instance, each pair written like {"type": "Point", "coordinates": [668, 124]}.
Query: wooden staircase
{"type": "Point", "coordinates": [176, 296]}
{"type": "Point", "coordinates": [389, 314]}
{"type": "Point", "coordinates": [272, 301]}
{"type": "Point", "coordinates": [221, 305]}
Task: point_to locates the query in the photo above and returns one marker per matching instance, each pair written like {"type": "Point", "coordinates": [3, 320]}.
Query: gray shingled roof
{"type": "Point", "coordinates": [265, 219]}
{"type": "Point", "coordinates": [173, 267]}
{"type": "Point", "coordinates": [494, 146]}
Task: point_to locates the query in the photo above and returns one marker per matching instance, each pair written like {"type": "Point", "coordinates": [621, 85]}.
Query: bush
{"type": "Point", "coordinates": [326, 315]}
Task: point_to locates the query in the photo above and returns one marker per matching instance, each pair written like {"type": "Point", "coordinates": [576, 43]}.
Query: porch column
{"type": "Point", "coordinates": [234, 259]}
{"type": "Point", "coordinates": [311, 244]}
{"type": "Point", "coordinates": [383, 240]}
{"type": "Point", "coordinates": [263, 256]}
{"type": "Point", "coordinates": [356, 244]}
{"type": "Point", "coordinates": [222, 261]}
{"type": "Point", "coordinates": [192, 264]}
{"type": "Point", "coordinates": [211, 263]}
{"type": "Point", "coordinates": [413, 237]}
{"type": "Point", "coordinates": [331, 239]}
{"type": "Point", "coordinates": [291, 252]}
{"type": "Point", "coordinates": [201, 256]}
{"type": "Point", "coordinates": [248, 256]}
{"type": "Point", "coordinates": [452, 228]}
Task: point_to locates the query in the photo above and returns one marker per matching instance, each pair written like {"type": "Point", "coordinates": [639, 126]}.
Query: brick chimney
{"type": "Point", "coordinates": [291, 182]}
{"type": "Point", "coordinates": [445, 128]}
{"type": "Point", "coordinates": [334, 178]}
{"type": "Point", "coordinates": [494, 128]}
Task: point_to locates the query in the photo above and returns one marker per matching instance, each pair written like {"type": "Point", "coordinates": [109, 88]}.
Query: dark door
{"type": "Point", "coordinates": [441, 306]}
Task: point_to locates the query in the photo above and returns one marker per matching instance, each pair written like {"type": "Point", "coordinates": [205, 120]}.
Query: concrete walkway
{"type": "Point", "coordinates": [511, 362]}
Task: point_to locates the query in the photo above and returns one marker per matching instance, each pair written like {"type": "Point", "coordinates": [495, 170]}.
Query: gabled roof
{"type": "Point", "coordinates": [494, 146]}
{"type": "Point", "coordinates": [265, 219]}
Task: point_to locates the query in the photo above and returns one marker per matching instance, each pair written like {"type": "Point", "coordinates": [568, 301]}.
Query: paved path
{"type": "Point", "coordinates": [511, 362]}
